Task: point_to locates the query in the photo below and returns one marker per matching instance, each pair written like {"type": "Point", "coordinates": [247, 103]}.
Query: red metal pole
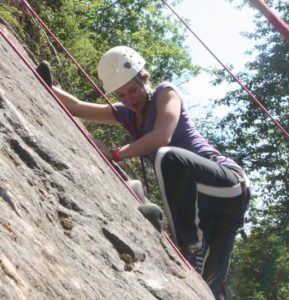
{"type": "Point", "coordinates": [272, 17]}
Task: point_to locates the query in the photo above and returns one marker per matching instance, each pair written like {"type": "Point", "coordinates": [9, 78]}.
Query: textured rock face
{"type": "Point", "coordinates": [69, 228]}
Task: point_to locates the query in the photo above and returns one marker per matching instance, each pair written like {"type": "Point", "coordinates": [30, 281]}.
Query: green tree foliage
{"type": "Point", "coordinates": [261, 265]}
{"type": "Point", "coordinates": [89, 28]}
{"type": "Point", "coordinates": [262, 270]}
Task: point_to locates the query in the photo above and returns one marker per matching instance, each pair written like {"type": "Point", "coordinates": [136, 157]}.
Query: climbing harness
{"type": "Point", "coordinates": [253, 97]}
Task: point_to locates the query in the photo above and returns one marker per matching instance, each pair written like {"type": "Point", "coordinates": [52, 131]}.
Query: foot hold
{"type": "Point", "coordinates": [153, 213]}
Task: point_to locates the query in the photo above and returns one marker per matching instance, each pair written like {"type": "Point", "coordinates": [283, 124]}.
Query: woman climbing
{"type": "Point", "coordinates": [205, 194]}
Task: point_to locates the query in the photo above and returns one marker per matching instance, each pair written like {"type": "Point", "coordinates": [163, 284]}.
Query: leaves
{"type": "Point", "coordinates": [264, 153]}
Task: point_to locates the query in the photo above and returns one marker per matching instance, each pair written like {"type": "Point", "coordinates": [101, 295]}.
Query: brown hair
{"type": "Point", "coordinates": [143, 75]}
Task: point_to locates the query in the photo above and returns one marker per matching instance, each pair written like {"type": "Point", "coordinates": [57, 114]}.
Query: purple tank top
{"type": "Point", "coordinates": [186, 135]}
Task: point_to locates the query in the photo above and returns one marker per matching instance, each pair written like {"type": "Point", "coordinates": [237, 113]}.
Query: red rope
{"type": "Point", "coordinates": [86, 135]}
{"type": "Point", "coordinates": [255, 99]}
{"type": "Point", "coordinates": [95, 87]}
{"type": "Point", "coordinates": [89, 139]}
{"type": "Point", "coordinates": [272, 17]}
{"type": "Point", "coordinates": [81, 129]}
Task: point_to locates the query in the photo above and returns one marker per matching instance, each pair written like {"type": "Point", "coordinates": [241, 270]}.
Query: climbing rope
{"type": "Point", "coordinates": [93, 84]}
{"type": "Point", "coordinates": [84, 73]}
{"type": "Point", "coordinates": [253, 97]}
{"type": "Point", "coordinates": [86, 135]}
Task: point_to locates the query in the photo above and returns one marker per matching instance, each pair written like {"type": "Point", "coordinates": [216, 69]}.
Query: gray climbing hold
{"type": "Point", "coordinates": [153, 213]}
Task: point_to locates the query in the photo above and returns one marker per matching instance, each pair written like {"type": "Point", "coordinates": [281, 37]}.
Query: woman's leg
{"type": "Point", "coordinates": [183, 178]}
{"type": "Point", "coordinates": [195, 190]}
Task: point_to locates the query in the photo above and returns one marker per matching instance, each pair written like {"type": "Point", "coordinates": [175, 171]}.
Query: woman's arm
{"type": "Point", "coordinates": [98, 113]}
{"type": "Point", "coordinates": [168, 114]}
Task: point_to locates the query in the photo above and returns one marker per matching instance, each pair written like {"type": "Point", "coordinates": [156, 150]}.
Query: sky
{"type": "Point", "coordinates": [218, 24]}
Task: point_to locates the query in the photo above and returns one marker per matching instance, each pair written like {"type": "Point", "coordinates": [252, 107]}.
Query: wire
{"type": "Point", "coordinates": [253, 97]}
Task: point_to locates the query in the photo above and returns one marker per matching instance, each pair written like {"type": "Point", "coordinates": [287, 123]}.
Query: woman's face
{"type": "Point", "coordinates": [132, 95]}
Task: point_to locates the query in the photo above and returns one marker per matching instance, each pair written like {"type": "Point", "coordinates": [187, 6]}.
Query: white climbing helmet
{"type": "Point", "coordinates": [118, 66]}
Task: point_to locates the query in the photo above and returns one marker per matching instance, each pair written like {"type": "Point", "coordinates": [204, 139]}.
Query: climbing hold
{"type": "Point", "coordinates": [153, 213]}
{"type": "Point", "coordinates": [137, 187]}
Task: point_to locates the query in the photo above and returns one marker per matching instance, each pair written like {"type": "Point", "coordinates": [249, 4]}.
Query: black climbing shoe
{"type": "Point", "coordinates": [197, 256]}
{"type": "Point", "coordinates": [44, 72]}
{"type": "Point", "coordinates": [153, 213]}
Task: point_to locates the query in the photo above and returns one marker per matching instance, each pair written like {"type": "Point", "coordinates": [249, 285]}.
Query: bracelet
{"type": "Point", "coordinates": [115, 153]}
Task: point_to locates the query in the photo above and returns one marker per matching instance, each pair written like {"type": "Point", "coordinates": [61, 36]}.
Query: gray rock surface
{"type": "Point", "coordinates": [69, 227]}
